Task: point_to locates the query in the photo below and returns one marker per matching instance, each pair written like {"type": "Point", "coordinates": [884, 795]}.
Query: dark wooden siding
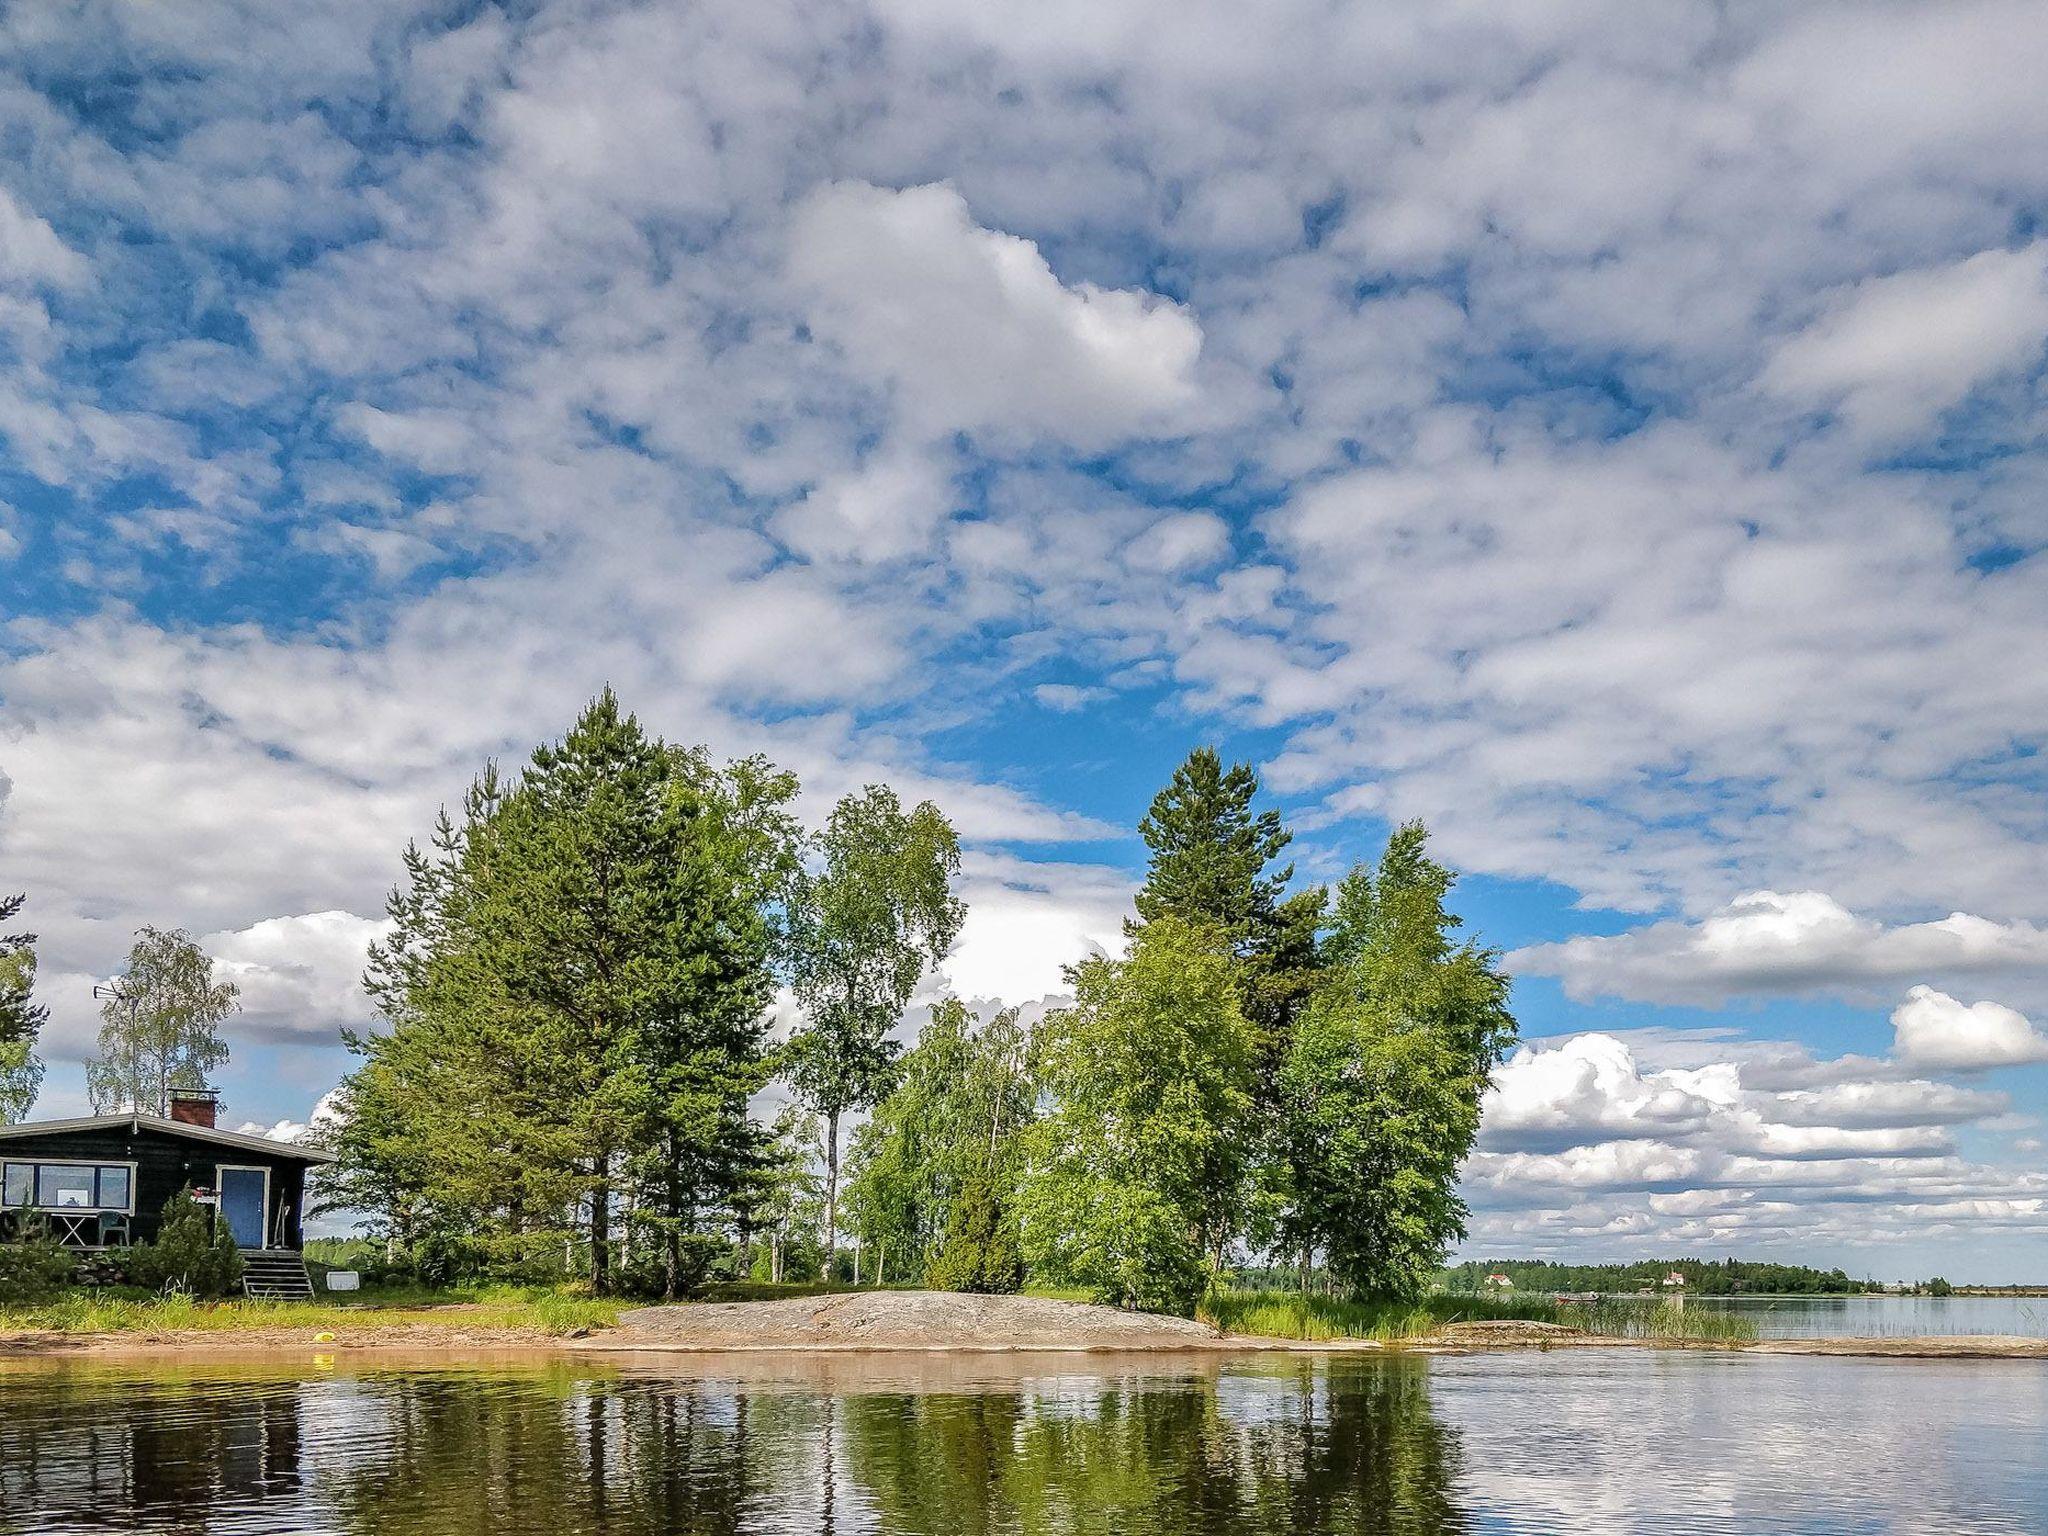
{"type": "Point", "coordinates": [165, 1164]}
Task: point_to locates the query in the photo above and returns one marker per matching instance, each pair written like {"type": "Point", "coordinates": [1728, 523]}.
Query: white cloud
{"type": "Point", "coordinates": [1026, 922]}
{"type": "Point", "coordinates": [1936, 1031]}
{"type": "Point", "coordinates": [300, 977]}
{"type": "Point", "coordinates": [1181, 542]}
{"type": "Point", "coordinates": [973, 328]}
{"type": "Point", "coordinates": [1891, 353]}
{"type": "Point", "coordinates": [1587, 1089]}
{"type": "Point", "coordinates": [1769, 942]}
{"type": "Point", "coordinates": [1065, 698]}
{"type": "Point", "coordinates": [32, 252]}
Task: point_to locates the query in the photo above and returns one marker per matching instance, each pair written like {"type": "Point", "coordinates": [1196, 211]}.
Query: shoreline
{"type": "Point", "coordinates": [428, 1347]}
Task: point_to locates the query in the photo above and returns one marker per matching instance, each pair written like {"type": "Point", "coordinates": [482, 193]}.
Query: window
{"type": "Point", "coordinates": [69, 1186]}
{"type": "Point", "coordinates": [60, 1187]}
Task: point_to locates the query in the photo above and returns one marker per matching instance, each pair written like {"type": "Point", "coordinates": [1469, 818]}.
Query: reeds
{"type": "Point", "coordinates": [1312, 1318]}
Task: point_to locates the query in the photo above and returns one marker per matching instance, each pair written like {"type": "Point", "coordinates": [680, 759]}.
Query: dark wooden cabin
{"type": "Point", "coordinates": [101, 1181]}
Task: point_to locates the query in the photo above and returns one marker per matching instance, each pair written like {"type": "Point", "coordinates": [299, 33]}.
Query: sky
{"type": "Point", "coordinates": [1609, 430]}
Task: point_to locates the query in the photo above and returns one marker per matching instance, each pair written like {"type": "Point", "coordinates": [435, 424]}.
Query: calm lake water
{"type": "Point", "coordinates": [1881, 1317]}
{"type": "Point", "coordinates": [1573, 1441]}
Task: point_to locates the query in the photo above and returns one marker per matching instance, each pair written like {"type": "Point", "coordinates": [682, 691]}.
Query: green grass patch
{"type": "Point", "coordinates": [1312, 1318]}
{"type": "Point", "coordinates": [494, 1307]}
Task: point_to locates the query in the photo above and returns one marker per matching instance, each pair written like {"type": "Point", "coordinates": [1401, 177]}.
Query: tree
{"type": "Point", "coordinates": [1210, 864]}
{"type": "Point", "coordinates": [21, 1019]}
{"type": "Point", "coordinates": [1141, 1160]}
{"type": "Point", "coordinates": [963, 1093]}
{"type": "Point", "coordinates": [193, 1252]}
{"type": "Point", "coordinates": [861, 930]}
{"type": "Point", "coordinates": [577, 981]}
{"type": "Point", "coordinates": [786, 1197]}
{"type": "Point", "coordinates": [1381, 1088]}
{"type": "Point", "coordinates": [979, 1251]}
{"type": "Point", "coordinates": [161, 1029]}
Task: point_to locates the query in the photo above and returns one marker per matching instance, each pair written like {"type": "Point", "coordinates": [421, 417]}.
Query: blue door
{"type": "Point", "coordinates": [243, 1194]}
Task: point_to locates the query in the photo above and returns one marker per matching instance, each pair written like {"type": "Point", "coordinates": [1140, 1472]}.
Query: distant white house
{"type": "Point", "coordinates": [1674, 1281]}
{"type": "Point", "coordinates": [1499, 1283]}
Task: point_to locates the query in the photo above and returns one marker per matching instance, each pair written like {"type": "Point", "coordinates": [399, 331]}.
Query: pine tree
{"type": "Point", "coordinates": [577, 982]}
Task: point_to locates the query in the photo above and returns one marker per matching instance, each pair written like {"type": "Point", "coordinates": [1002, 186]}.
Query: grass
{"type": "Point", "coordinates": [1314, 1319]}
{"type": "Point", "coordinates": [493, 1307]}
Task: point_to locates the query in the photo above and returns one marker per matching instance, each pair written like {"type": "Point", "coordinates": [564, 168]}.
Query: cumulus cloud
{"type": "Point", "coordinates": [299, 977]}
{"type": "Point", "coordinates": [1588, 1089]}
{"type": "Point", "coordinates": [1937, 1031]}
{"type": "Point", "coordinates": [1769, 942]}
{"type": "Point", "coordinates": [972, 327]}
{"type": "Point", "coordinates": [1891, 353]}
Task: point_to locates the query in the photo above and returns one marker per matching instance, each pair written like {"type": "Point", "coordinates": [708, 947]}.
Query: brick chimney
{"type": "Point", "coordinates": [195, 1106]}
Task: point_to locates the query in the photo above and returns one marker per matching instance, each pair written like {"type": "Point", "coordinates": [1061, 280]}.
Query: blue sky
{"type": "Point", "coordinates": [1612, 432]}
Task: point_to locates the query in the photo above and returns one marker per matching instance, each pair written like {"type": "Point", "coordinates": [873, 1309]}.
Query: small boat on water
{"type": "Point", "coordinates": [1576, 1298]}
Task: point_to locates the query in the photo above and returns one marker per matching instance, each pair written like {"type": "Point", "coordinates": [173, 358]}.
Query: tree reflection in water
{"type": "Point", "coordinates": [1291, 1445]}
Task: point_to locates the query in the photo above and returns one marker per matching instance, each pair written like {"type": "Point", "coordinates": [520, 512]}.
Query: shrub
{"type": "Point", "coordinates": [192, 1252]}
{"type": "Point", "coordinates": [980, 1251]}
{"type": "Point", "coordinates": [34, 1267]}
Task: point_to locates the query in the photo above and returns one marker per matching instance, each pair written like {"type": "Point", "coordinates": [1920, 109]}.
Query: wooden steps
{"type": "Point", "coordinates": [275, 1274]}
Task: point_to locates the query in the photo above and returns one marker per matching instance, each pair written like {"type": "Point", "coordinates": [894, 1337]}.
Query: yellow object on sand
{"type": "Point", "coordinates": [323, 1338]}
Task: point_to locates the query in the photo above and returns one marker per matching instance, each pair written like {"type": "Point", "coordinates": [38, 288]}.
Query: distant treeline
{"type": "Point", "coordinates": [1703, 1277]}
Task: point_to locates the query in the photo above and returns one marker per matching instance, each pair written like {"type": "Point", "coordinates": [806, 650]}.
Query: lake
{"type": "Point", "coordinates": [1592, 1440]}
{"type": "Point", "coordinates": [1884, 1317]}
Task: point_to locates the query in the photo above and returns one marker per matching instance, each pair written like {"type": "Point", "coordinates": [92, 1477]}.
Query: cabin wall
{"type": "Point", "coordinates": [166, 1164]}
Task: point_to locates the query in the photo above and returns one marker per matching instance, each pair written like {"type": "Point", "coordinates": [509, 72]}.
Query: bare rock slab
{"type": "Point", "coordinates": [905, 1320]}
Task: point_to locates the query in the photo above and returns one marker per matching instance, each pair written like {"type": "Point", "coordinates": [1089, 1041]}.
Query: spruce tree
{"type": "Point", "coordinates": [1211, 864]}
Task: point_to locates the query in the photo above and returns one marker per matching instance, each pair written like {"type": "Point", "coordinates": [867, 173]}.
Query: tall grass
{"type": "Point", "coordinates": [1620, 1317]}
{"type": "Point", "coordinates": [1318, 1319]}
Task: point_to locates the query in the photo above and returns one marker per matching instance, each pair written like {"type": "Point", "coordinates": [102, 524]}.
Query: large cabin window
{"type": "Point", "coordinates": [68, 1186]}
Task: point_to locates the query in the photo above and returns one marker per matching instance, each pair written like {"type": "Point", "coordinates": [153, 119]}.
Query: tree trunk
{"type": "Point", "coordinates": [672, 1242]}
{"type": "Point", "coordinates": [831, 1196]}
{"type": "Point", "coordinates": [601, 1235]}
{"type": "Point", "coordinates": [881, 1261]}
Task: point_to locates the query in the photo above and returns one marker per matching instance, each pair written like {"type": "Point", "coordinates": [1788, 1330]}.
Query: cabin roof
{"type": "Point", "coordinates": [140, 1122]}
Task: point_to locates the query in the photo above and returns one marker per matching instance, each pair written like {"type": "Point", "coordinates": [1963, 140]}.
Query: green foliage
{"type": "Point", "coordinates": [193, 1252]}
{"type": "Point", "coordinates": [576, 981]}
{"type": "Point", "coordinates": [1940, 1287]}
{"type": "Point", "coordinates": [21, 1018]}
{"type": "Point", "coordinates": [1210, 866]}
{"type": "Point", "coordinates": [786, 1203]}
{"type": "Point", "coordinates": [1380, 1091]}
{"type": "Point", "coordinates": [33, 1266]}
{"type": "Point", "coordinates": [1138, 1171]}
{"type": "Point", "coordinates": [980, 1250]}
{"type": "Point", "coordinates": [161, 1029]}
{"type": "Point", "coordinates": [963, 1094]}
{"type": "Point", "coordinates": [861, 930]}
